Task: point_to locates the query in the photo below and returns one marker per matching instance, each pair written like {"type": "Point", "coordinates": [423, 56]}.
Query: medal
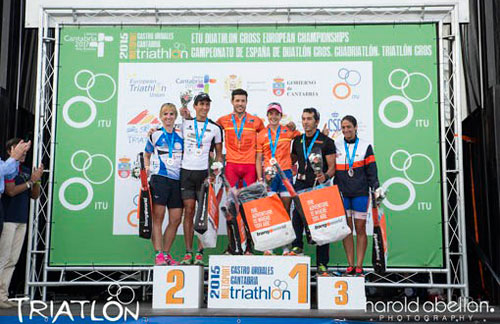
{"type": "Point", "coordinates": [274, 145]}
{"type": "Point", "coordinates": [350, 159]}
{"type": "Point", "coordinates": [199, 138]}
{"type": "Point", "coordinates": [169, 138]}
{"type": "Point", "coordinates": [308, 152]}
{"type": "Point", "coordinates": [236, 130]}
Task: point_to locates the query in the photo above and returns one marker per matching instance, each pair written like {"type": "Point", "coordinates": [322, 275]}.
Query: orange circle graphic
{"type": "Point", "coordinates": [338, 85]}
{"type": "Point", "coordinates": [129, 220]}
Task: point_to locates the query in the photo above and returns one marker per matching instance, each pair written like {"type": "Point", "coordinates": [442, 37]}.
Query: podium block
{"type": "Point", "coordinates": [259, 282]}
{"type": "Point", "coordinates": [341, 293]}
{"type": "Point", "coordinates": [177, 287]}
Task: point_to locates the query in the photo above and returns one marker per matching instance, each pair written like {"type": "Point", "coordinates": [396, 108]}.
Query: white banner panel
{"type": "Point", "coordinates": [334, 88]}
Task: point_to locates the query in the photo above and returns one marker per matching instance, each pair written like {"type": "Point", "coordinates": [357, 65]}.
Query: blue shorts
{"type": "Point", "coordinates": [278, 186]}
{"type": "Point", "coordinates": [359, 204]}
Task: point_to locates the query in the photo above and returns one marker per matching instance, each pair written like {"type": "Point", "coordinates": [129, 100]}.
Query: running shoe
{"type": "Point", "coordinates": [188, 259]}
{"type": "Point", "coordinates": [350, 271]}
{"type": "Point", "coordinates": [198, 259]}
{"type": "Point", "coordinates": [323, 271]}
{"type": "Point", "coordinates": [160, 259]}
{"type": "Point", "coordinates": [359, 272]}
{"type": "Point", "coordinates": [296, 251]}
{"type": "Point", "coordinates": [286, 251]}
{"type": "Point", "coordinates": [268, 252]}
{"type": "Point", "coordinates": [169, 260]}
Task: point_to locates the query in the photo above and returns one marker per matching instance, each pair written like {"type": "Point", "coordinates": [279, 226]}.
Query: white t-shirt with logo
{"type": "Point", "coordinates": [213, 135]}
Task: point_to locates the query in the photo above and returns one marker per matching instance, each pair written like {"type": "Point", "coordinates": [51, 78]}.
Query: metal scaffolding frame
{"type": "Point", "coordinates": [452, 277]}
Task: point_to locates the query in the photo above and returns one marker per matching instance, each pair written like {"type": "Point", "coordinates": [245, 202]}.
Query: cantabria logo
{"type": "Point", "coordinates": [102, 39]}
{"type": "Point", "coordinates": [89, 42]}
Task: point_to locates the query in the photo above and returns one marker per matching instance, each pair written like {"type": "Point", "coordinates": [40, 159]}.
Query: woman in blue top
{"type": "Point", "coordinates": [165, 183]}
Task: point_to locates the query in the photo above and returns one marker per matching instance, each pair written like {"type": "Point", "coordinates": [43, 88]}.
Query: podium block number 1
{"type": "Point", "coordinates": [175, 276]}
{"type": "Point", "coordinates": [301, 270]}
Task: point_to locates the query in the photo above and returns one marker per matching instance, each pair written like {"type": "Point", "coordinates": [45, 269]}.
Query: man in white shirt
{"type": "Point", "coordinates": [200, 135]}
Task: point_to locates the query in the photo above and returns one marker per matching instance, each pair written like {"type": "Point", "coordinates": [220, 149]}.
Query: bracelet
{"type": "Point", "coordinates": [28, 184]}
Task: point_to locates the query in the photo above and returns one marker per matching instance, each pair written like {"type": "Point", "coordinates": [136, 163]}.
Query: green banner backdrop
{"type": "Point", "coordinates": [112, 81]}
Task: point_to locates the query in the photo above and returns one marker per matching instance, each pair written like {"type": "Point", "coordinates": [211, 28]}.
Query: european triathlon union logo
{"type": "Point", "coordinates": [279, 87]}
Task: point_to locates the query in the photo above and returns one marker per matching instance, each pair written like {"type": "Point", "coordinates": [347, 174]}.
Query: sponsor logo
{"type": "Point", "coordinates": [151, 46]}
{"type": "Point", "coordinates": [343, 89]}
{"type": "Point", "coordinates": [139, 125]}
{"type": "Point", "coordinates": [124, 168]}
{"type": "Point", "coordinates": [334, 125]}
{"type": "Point", "coordinates": [242, 282]}
{"type": "Point", "coordinates": [197, 83]}
{"type": "Point", "coordinates": [231, 82]}
{"type": "Point", "coordinates": [279, 87]}
{"type": "Point", "coordinates": [133, 216]}
{"type": "Point", "coordinates": [144, 118]}
{"type": "Point", "coordinates": [90, 42]}
{"type": "Point", "coordinates": [152, 87]}
{"type": "Point", "coordinates": [295, 88]}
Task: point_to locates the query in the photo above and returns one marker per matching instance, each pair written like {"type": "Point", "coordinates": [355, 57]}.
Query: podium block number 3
{"type": "Point", "coordinates": [175, 276]}
{"type": "Point", "coordinates": [341, 298]}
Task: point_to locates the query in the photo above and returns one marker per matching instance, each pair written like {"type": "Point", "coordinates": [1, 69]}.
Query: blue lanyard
{"type": "Point", "coordinates": [199, 139]}
{"type": "Point", "coordinates": [306, 153]}
{"type": "Point", "coordinates": [350, 159]}
{"type": "Point", "coordinates": [275, 145]}
{"type": "Point", "coordinates": [169, 137]}
{"type": "Point", "coordinates": [236, 130]}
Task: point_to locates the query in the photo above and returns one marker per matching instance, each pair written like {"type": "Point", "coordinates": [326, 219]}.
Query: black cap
{"type": "Point", "coordinates": [202, 96]}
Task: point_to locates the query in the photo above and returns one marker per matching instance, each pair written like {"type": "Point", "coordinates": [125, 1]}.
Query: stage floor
{"type": "Point", "coordinates": [238, 316]}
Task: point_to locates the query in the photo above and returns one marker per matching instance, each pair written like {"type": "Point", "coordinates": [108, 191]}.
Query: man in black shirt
{"type": "Point", "coordinates": [311, 142]}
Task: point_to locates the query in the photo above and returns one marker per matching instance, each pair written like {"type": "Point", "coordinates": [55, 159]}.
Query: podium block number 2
{"type": "Point", "coordinates": [175, 276]}
{"type": "Point", "coordinates": [341, 298]}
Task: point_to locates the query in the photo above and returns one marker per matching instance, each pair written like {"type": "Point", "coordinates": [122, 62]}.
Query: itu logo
{"type": "Point", "coordinates": [99, 44]}
{"type": "Point", "coordinates": [343, 90]}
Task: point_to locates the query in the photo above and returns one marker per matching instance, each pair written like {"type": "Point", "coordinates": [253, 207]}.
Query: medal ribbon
{"type": "Point", "coordinates": [169, 137]}
{"type": "Point", "coordinates": [350, 159]}
{"type": "Point", "coordinates": [306, 153]}
{"type": "Point", "coordinates": [236, 130]}
{"type": "Point", "coordinates": [199, 139]}
{"type": "Point", "coordinates": [275, 145]}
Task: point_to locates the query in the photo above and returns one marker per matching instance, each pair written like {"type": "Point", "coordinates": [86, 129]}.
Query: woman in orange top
{"type": "Point", "coordinates": [273, 145]}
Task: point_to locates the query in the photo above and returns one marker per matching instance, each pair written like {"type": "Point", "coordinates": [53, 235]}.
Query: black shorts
{"type": "Point", "coordinates": [166, 191]}
{"type": "Point", "coordinates": [191, 182]}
